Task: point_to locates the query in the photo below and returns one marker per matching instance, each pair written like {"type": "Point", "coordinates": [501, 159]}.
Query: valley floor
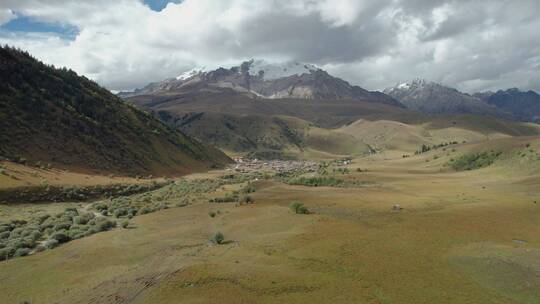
{"type": "Point", "coordinates": [459, 237]}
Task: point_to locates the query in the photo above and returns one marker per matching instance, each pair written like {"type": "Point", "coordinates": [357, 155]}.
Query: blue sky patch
{"type": "Point", "coordinates": [31, 25]}
{"type": "Point", "coordinates": [158, 5]}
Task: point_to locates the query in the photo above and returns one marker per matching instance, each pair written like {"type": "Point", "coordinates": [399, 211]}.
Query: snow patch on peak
{"type": "Point", "coordinates": [404, 85]}
{"type": "Point", "coordinates": [190, 73]}
{"type": "Point", "coordinates": [280, 70]}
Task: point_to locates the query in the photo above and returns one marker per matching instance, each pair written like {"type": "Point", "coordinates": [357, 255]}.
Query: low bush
{"type": "Point", "coordinates": [62, 226]}
{"type": "Point", "coordinates": [218, 238]}
{"type": "Point", "coordinates": [228, 198]}
{"type": "Point", "coordinates": [4, 235]}
{"type": "Point", "coordinates": [474, 161]}
{"type": "Point", "coordinates": [6, 253]}
{"type": "Point", "coordinates": [125, 224]}
{"type": "Point", "coordinates": [298, 208]}
{"type": "Point", "coordinates": [22, 252]}
{"type": "Point", "coordinates": [249, 188]}
{"type": "Point", "coordinates": [317, 181]}
{"type": "Point", "coordinates": [144, 210]}
{"type": "Point", "coordinates": [83, 219]}
{"type": "Point", "coordinates": [61, 237]}
{"type": "Point", "coordinates": [51, 243]}
{"type": "Point", "coordinates": [103, 224]}
{"type": "Point", "coordinates": [246, 199]}
{"type": "Point", "coordinates": [120, 212]}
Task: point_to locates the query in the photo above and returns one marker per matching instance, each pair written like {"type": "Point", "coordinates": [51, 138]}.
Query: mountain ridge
{"type": "Point", "coordinates": [434, 98]}
{"type": "Point", "coordinates": [256, 79]}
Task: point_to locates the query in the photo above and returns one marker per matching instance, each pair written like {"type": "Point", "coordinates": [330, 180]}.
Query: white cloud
{"type": "Point", "coordinates": [474, 45]}
{"type": "Point", "coordinates": [6, 15]}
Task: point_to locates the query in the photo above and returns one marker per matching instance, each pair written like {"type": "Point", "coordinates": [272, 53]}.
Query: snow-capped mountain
{"type": "Point", "coordinates": [434, 98]}
{"type": "Point", "coordinates": [262, 79]}
{"type": "Point", "coordinates": [190, 73]}
{"type": "Point", "coordinates": [271, 71]}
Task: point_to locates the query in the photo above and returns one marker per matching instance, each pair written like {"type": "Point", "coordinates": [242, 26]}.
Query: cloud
{"type": "Point", "coordinates": [474, 45]}
{"type": "Point", "coordinates": [6, 15]}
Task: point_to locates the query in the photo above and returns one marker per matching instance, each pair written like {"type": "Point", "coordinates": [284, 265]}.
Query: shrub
{"type": "Point", "coordinates": [100, 206]}
{"type": "Point", "coordinates": [144, 210]}
{"type": "Point", "coordinates": [61, 237]}
{"type": "Point", "coordinates": [47, 223]}
{"type": "Point", "coordinates": [40, 248]}
{"type": "Point", "coordinates": [317, 181]}
{"type": "Point", "coordinates": [6, 227]}
{"type": "Point", "coordinates": [62, 226]}
{"type": "Point", "coordinates": [298, 208]}
{"type": "Point", "coordinates": [475, 161]}
{"type": "Point", "coordinates": [228, 198]}
{"type": "Point", "coordinates": [125, 224]}
{"type": "Point", "coordinates": [246, 199]}
{"type": "Point", "coordinates": [132, 212]}
{"type": "Point", "coordinates": [22, 252]}
{"type": "Point", "coordinates": [71, 210]}
{"type": "Point", "coordinates": [6, 253]}
{"type": "Point", "coordinates": [35, 235]}
{"type": "Point", "coordinates": [16, 232]}
{"type": "Point", "coordinates": [103, 224]}
{"type": "Point", "coordinates": [17, 243]}
{"type": "Point", "coordinates": [75, 232]}
{"type": "Point", "coordinates": [50, 244]}
{"type": "Point", "coordinates": [4, 235]}
{"type": "Point", "coordinates": [218, 238]}
{"type": "Point", "coordinates": [83, 219]}
{"type": "Point", "coordinates": [120, 212]}
{"type": "Point", "coordinates": [212, 214]}
{"type": "Point", "coordinates": [249, 188]}
{"type": "Point", "coordinates": [40, 219]}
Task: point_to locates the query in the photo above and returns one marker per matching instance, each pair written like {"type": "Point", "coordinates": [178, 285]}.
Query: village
{"type": "Point", "coordinates": [245, 165]}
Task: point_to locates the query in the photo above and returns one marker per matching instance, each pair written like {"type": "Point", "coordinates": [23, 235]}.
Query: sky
{"type": "Point", "coordinates": [125, 44]}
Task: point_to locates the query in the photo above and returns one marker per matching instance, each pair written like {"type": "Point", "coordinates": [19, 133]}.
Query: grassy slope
{"type": "Point", "coordinates": [394, 135]}
{"type": "Point", "coordinates": [448, 245]}
{"type": "Point", "coordinates": [323, 113]}
{"type": "Point", "coordinates": [285, 136]}
{"type": "Point", "coordinates": [237, 123]}
{"type": "Point", "coordinates": [54, 116]}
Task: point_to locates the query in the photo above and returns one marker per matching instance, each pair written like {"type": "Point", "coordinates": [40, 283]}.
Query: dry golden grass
{"type": "Point", "coordinates": [19, 176]}
{"type": "Point", "coordinates": [454, 241]}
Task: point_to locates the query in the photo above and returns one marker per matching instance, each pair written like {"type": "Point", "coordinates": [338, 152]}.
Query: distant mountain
{"type": "Point", "coordinates": [523, 105]}
{"type": "Point", "coordinates": [51, 115]}
{"type": "Point", "coordinates": [268, 110]}
{"type": "Point", "coordinates": [259, 79]}
{"type": "Point", "coordinates": [434, 98]}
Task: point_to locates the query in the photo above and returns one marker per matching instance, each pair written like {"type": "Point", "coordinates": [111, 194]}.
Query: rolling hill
{"type": "Point", "coordinates": [53, 116]}
{"type": "Point", "coordinates": [266, 136]}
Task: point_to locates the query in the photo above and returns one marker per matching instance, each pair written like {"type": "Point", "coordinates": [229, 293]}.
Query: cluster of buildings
{"type": "Point", "coordinates": [244, 165]}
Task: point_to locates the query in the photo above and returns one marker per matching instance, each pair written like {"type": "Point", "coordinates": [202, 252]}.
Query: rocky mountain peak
{"type": "Point", "coordinates": [262, 79]}
{"type": "Point", "coordinates": [434, 98]}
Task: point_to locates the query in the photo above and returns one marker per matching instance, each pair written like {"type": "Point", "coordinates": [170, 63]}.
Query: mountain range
{"type": "Point", "coordinates": [434, 98]}
{"type": "Point", "coordinates": [259, 79]}
{"type": "Point", "coordinates": [299, 110]}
